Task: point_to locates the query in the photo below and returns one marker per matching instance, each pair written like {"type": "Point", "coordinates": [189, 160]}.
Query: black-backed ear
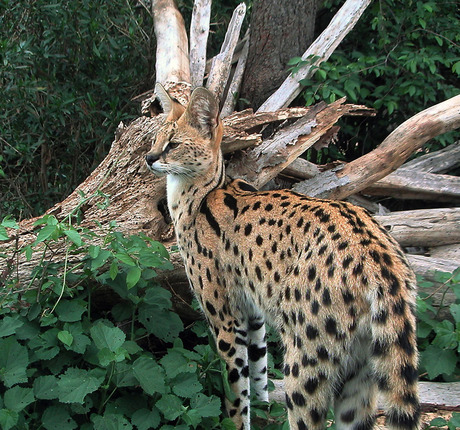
{"type": "Point", "coordinates": [165, 100]}
{"type": "Point", "coordinates": [202, 111]}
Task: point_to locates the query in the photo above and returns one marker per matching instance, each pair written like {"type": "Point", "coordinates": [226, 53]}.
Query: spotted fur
{"type": "Point", "coordinates": [326, 275]}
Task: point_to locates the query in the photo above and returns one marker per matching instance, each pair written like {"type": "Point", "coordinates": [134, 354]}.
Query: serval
{"type": "Point", "coordinates": [324, 273]}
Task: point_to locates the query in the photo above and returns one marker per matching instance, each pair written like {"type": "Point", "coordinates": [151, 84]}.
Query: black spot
{"type": "Point", "coordinates": [409, 373]}
{"type": "Point", "coordinates": [399, 307]}
{"type": "Point", "coordinates": [343, 245]}
{"type": "Point", "coordinates": [298, 398]}
{"type": "Point", "coordinates": [287, 293]}
{"type": "Point", "coordinates": [233, 376]}
{"type": "Point", "coordinates": [312, 332]}
{"type": "Point", "coordinates": [380, 347]}
{"type": "Point", "coordinates": [331, 325]}
{"type": "Point", "coordinates": [311, 273]}
{"type": "Point", "coordinates": [367, 424]}
{"type": "Point", "coordinates": [224, 346]}
{"type": "Point", "coordinates": [315, 415]}
{"type": "Point", "coordinates": [248, 229]}
{"type": "Point", "coordinates": [289, 402]}
{"type": "Point", "coordinates": [274, 247]}
{"type": "Point", "coordinates": [347, 261]}
{"type": "Point", "coordinates": [211, 309]}
{"type": "Point", "coordinates": [322, 250]}
{"type": "Point", "coordinates": [381, 317]}
{"type": "Point", "coordinates": [403, 340]}
{"type": "Point", "coordinates": [300, 222]}
{"type": "Point", "coordinates": [375, 256]}
{"type": "Point", "coordinates": [269, 207]}
{"type": "Point", "coordinates": [330, 259]}
{"type": "Point", "coordinates": [348, 297]}
{"type": "Point", "coordinates": [204, 209]}
{"type": "Point", "coordinates": [387, 259]}
{"type": "Point", "coordinates": [297, 295]}
{"type": "Point", "coordinates": [259, 240]}
{"type": "Point", "coordinates": [348, 416]}
{"type": "Point", "coordinates": [318, 284]}
{"type": "Point", "coordinates": [295, 370]}
{"type": "Point", "coordinates": [311, 385]}
{"type": "Point", "coordinates": [239, 362]}
{"type": "Point", "coordinates": [287, 369]}
{"type": "Point", "coordinates": [315, 307]}
{"type": "Point", "coordinates": [358, 269]}
{"type": "Point", "coordinates": [326, 297]}
{"type": "Point", "coordinates": [258, 273]}
{"type": "Point", "coordinates": [403, 420]}
{"type": "Point", "coordinates": [255, 353]}
{"type": "Point", "coordinates": [301, 425]}
{"type": "Point", "coordinates": [322, 353]}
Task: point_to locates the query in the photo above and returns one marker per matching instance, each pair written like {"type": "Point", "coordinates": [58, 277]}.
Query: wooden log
{"type": "Point", "coordinates": [450, 252]}
{"type": "Point", "coordinates": [411, 184]}
{"type": "Point", "coordinates": [234, 87]}
{"type": "Point", "coordinates": [261, 164]}
{"type": "Point", "coordinates": [320, 50]}
{"type": "Point", "coordinates": [392, 152]}
{"type": "Point", "coordinates": [199, 31]}
{"type": "Point", "coordinates": [424, 227]}
{"type": "Point", "coordinates": [172, 61]}
{"type": "Point", "coordinates": [221, 63]}
{"type": "Point", "coordinates": [440, 161]}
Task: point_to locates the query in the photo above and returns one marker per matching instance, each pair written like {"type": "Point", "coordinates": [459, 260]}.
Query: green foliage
{"type": "Point", "coordinates": [452, 424]}
{"type": "Point", "coordinates": [439, 341]}
{"type": "Point", "coordinates": [68, 72]}
{"type": "Point", "coordinates": [68, 364]}
{"type": "Point", "coordinates": [401, 58]}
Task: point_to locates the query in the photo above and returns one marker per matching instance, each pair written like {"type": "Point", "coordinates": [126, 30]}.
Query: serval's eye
{"type": "Point", "coordinates": [173, 144]}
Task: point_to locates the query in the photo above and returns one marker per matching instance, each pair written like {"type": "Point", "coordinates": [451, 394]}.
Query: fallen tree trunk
{"type": "Point", "coordinates": [393, 151]}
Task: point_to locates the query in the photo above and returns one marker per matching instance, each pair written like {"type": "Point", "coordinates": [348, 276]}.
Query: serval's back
{"type": "Point", "coordinates": [327, 276]}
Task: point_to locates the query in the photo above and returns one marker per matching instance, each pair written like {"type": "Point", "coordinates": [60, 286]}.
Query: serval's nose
{"type": "Point", "coordinates": [151, 158]}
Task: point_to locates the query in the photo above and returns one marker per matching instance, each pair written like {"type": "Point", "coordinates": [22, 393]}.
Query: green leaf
{"type": "Point", "coordinates": [113, 271]}
{"type": "Point", "coordinates": [3, 233]}
{"type": "Point", "coordinates": [144, 419]}
{"type": "Point", "coordinates": [75, 384]}
{"type": "Point", "coordinates": [17, 398]}
{"type": "Point", "coordinates": [163, 324]}
{"type": "Point", "coordinates": [58, 418]}
{"type": "Point", "coordinates": [438, 422]}
{"type": "Point", "coordinates": [174, 363]}
{"type": "Point", "coordinates": [8, 419]}
{"type": "Point", "coordinates": [207, 406]}
{"type": "Point", "coordinates": [70, 310]}
{"type": "Point", "coordinates": [14, 360]}
{"type": "Point", "coordinates": [150, 375]}
{"type": "Point", "coordinates": [74, 236]}
{"type": "Point", "coordinates": [8, 325]}
{"type": "Point", "coordinates": [438, 361]}
{"type": "Point", "coordinates": [46, 232]}
{"type": "Point", "coordinates": [446, 337]}
{"type": "Point", "coordinates": [45, 387]}
{"type": "Point", "coordinates": [454, 421]}
{"type": "Point", "coordinates": [101, 259]}
{"type": "Point", "coordinates": [9, 222]}
{"type": "Point", "coordinates": [94, 250]}
{"type": "Point", "coordinates": [133, 276]}
{"type": "Point", "coordinates": [125, 258]}
{"type": "Point", "coordinates": [186, 385]}
{"type": "Point", "coordinates": [111, 422]}
{"type": "Point", "coordinates": [104, 336]}
{"type": "Point", "coordinates": [65, 337]}
{"type": "Point", "coordinates": [170, 406]}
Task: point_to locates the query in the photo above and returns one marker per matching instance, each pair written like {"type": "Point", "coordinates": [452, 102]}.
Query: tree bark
{"type": "Point", "coordinates": [279, 32]}
{"type": "Point", "coordinates": [392, 152]}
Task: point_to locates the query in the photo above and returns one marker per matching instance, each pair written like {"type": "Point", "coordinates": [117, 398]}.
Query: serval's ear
{"type": "Point", "coordinates": [202, 112]}
{"type": "Point", "coordinates": [171, 107]}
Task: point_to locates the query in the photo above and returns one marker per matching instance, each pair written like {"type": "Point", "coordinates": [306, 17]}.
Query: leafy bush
{"type": "Point", "coordinates": [68, 72]}
{"type": "Point", "coordinates": [69, 364]}
{"type": "Point", "coordinates": [439, 341]}
{"type": "Point", "coordinates": [401, 58]}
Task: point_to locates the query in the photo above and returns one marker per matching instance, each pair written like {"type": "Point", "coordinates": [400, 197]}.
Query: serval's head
{"type": "Point", "coordinates": [188, 143]}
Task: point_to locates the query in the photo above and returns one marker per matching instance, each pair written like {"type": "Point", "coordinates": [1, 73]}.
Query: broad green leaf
{"type": "Point", "coordinates": [207, 406]}
{"type": "Point", "coordinates": [133, 276]}
{"type": "Point", "coordinates": [65, 337]}
{"type": "Point", "coordinates": [58, 418]}
{"type": "Point", "coordinates": [9, 325]}
{"type": "Point", "coordinates": [17, 398]}
{"type": "Point", "coordinates": [74, 236]}
{"type": "Point", "coordinates": [144, 419]}
{"type": "Point", "coordinates": [70, 310]}
{"type": "Point", "coordinates": [14, 360]}
{"type": "Point", "coordinates": [124, 375]}
{"type": "Point", "coordinates": [46, 232]}
{"type": "Point", "coordinates": [437, 361]}
{"type": "Point", "coordinates": [106, 356]}
{"type": "Point", "coordinates": [45, 387]}
{"type": "Point", "coordinates": [186, 385]}
{"type": "Point", "coordinates": [163, 324]}
{"type": "Point", "coordinates": [170, 406]}
{"type": "Point", "coordinates": [438, 422]}
{"type": "Point", "coordinates": [94, 250]}
{"type": "Point", "coordinates": [8, 419]}
{"type": "Point", "coordinates": [3, 233]}
{"type": "Point", "coordinates": [125, 258]}
{"type": "Point", "coordinates": [75, 384]}
{"type": "Point", "coordinates": [446, 337]}
{"type": "Point", "coordinates": [158, 297]}
{"type": "Point", "coordinates": [8, 222]}
{"type": "Point", "coordinates": [174, 363]}
{"type": "Point", "coordinates": [107, 337]}
{"type": "Point", "coordinates": [111, 422]}
{"type": "Point", "coordinates": [80, 340]}
{"type": "Point", "coordinates": [101, 259]}
{"type": "Point", "coordinates": [113, 271]}
{"type": "Point", "coordinates": [150, 375]}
